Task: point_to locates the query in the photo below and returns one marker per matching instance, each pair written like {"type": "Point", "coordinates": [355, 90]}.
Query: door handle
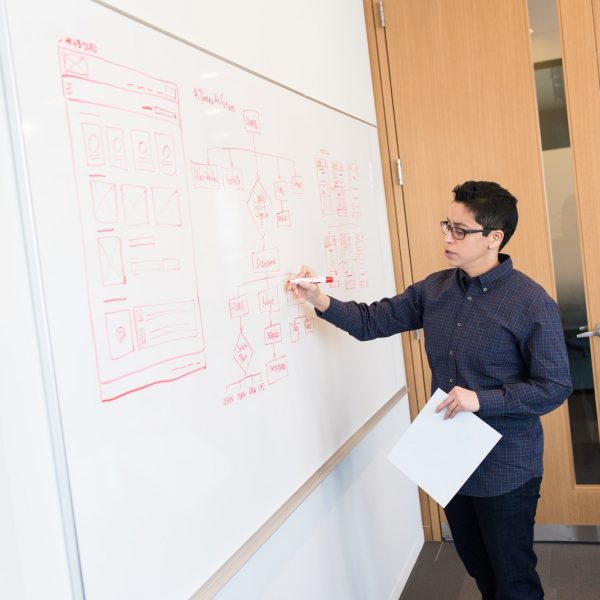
{"type": "Point", "coordinates": [587, 334]}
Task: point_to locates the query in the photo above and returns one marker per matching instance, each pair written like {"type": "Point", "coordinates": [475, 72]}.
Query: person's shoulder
{"type": "Point", "coordinates": [436, 283]}
{"type": "Point", "coordinates": [439, 279]}
{"type": "Point", "coordinates": [440, 276]}
{"type": "Point", "coordinates": [530, 290]}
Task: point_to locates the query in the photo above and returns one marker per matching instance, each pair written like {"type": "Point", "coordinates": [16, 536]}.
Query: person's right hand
{"type": "Point", "coordinates": [309, 291]}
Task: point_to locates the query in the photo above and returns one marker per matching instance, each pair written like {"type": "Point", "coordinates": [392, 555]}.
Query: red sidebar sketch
{"type": "Point", "coordinates": [129, 167]}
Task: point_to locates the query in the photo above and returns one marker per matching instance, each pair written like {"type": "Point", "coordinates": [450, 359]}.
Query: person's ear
{"type": "Point", "coordinates": [495, 239]}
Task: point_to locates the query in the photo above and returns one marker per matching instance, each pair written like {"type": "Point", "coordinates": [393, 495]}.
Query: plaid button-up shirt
{"type": "Point", "coordinates": [499, 335]}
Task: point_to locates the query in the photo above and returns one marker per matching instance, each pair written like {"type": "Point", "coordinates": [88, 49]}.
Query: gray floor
{"type": "Point", "coordinates": [568, 572]}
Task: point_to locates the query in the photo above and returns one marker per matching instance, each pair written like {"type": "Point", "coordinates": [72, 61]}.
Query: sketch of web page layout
{"type": "Point", "coordinates": [135, 213]}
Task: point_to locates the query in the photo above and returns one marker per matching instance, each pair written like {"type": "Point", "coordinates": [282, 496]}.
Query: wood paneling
{"type": "Point", "coordinates": [465, 108]}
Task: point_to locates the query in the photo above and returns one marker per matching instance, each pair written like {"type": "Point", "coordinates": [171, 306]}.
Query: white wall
{"type": "Point", "coordinates": [358, 534]}
{"type": "Point", "coordinates": [356, 537]}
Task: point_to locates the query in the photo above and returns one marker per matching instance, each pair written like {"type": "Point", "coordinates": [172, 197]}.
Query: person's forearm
{"type": "Point", "coordinates": [322, 303]}
{"type": "Point", "coordinates": [532, 397]}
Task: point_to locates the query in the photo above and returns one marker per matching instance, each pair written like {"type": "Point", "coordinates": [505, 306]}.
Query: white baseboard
{"type": "Point", "coordinates": [408, 566]}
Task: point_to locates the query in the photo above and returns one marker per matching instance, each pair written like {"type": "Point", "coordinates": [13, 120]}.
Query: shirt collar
{"type": "Point", "coordinates": [491, 278]}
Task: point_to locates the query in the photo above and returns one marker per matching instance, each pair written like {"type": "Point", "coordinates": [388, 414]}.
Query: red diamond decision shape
{"type": "Point", "coordinates": [242, 352]}
{"type": "Point", "coordinates": [259, 205]}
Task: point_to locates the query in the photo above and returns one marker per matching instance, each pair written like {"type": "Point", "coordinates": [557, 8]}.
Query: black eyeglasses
{"type": "Point", "coordinates": [458, 233]}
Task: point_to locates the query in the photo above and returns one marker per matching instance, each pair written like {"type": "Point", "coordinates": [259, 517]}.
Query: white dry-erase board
{"type": "Point", "coordinates": [171, 194]}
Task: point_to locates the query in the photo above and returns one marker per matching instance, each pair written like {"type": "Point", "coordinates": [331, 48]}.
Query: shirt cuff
{"type": "Point", "coordinates": [491, 403]}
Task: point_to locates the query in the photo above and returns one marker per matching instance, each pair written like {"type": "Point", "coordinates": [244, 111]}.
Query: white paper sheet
{"type": "Point", "coordinates": [439, 455]}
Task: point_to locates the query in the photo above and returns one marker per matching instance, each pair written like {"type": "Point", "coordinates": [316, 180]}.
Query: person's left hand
{"type": "Point", "coordinates": [459, 399]}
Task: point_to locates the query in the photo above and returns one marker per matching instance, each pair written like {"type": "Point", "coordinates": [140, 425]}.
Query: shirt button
{"type": "Point", "coordinates": [452, 381]}
{"type": "Point", "coordinates": [469, 298]}
{"type": "Point", "coordinates": [458, 324]}
{"type": "Point", "coordinates": [451, 352]}
{"type": "Point", "coordinates": [485, 289]}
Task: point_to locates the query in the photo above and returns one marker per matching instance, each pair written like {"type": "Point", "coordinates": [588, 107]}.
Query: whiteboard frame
{"type": "Point", "coordinates": [45, 357]}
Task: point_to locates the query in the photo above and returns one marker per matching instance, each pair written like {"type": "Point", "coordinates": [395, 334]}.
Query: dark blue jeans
{"type": "Point", "coordinates": [494, 538]}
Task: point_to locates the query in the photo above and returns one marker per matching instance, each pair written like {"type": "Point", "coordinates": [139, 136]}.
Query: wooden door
{"type": "Point", "coordinates": [565, 501]}
{"type": "Point", "coordinates": [456, 95]}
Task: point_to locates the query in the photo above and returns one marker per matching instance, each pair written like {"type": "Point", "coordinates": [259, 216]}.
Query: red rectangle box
{"type": "Point", "coordinates": [238, 307]}
{"type": "Point", "coordinates": [277, 369]}
{"type": "Point", "coordinates": [283, 218]}
{"type": "Point", "coordinates": [265, 261]}
{"type": "Point", "coordinates": [273, 334]}
{"type": "Point", "coordinates": [205, 176]}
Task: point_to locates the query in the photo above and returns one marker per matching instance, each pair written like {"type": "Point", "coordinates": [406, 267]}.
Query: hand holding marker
{"type": "Point", "coordinates": [316, 279]}
{"type": "Point", "coordinates": [305, 286]}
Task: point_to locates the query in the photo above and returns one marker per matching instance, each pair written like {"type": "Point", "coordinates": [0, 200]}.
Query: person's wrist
{"type": "Point", "coordinates": [322, 302]}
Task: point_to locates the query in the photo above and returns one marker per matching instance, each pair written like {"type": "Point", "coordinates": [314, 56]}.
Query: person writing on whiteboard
{"type": "Point", "coordinates": [495, 345]}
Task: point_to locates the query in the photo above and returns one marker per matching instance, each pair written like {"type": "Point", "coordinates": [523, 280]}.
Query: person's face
{"type": "Point", "coordinates": [476, 253]}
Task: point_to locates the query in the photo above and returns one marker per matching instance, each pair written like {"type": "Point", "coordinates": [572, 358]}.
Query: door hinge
{"type": "Point", "coordinates": [381, 14]}
{"type": "Point", "coordinates": [399, 169]}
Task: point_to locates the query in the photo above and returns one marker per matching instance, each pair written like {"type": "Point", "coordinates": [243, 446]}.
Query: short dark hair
{"type": "Point", "coordinates": [493, 206]}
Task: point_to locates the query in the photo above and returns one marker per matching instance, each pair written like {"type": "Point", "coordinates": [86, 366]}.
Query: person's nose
{"type": "Point", "coordinates": [448, 239]}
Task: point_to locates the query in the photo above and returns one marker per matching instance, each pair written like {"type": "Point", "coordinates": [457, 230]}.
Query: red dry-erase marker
{"type": "Point", "coordinates": [317, 279]}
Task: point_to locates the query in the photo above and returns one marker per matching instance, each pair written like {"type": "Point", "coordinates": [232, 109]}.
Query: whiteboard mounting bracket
{"type": "Point", "coordinates": [381, 14]}
{"type": "Point", "coordinates": [399, 170]}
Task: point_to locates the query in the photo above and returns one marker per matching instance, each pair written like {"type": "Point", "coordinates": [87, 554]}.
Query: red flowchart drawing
{"type": "Point", "coordinates": [252, 121]}
{"type": "Point", "coordinates": [268, 300]}
{"type": "Point", "coordinates": [205, 175]}
{"type": "Point", "coordinates": [273, 334]}
{"type": "Point", "coordinates": [345, 256]}
{"type": "Point", "coordinates": [265, 261]}
{"type": "Point", "coordinates": [244, 388]}
{"type": "Point", "coordinates": [259, 205]}
{"type": "Point", "coordinates": [135, 216]}
{"type": "Point", "coordinates": [280, 191]}
{"type": "Point", "coordinates": [270, 183]}
{"type": "Point", "coordinates": [233, 179]}
{"type": "Point", "coordinates": [243, 352]}
{"type": "Point", "coordinates": [283, 216]}
{"type": "Point", "coordinates": [354, 188]}
{"type": "Point", "coordinates": [238, 307]}
{"type": "Point", "coordinates": [297, 184]}
{"type": "Point", "coordinates": [300, 327]}
{"type": "Point", "coordinates": [283, 219]}
{"type": "Point", "coordinates": [277, 369]}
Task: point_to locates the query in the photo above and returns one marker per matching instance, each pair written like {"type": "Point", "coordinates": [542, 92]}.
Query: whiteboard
{"type": "Point", "coordinates": [172, 195]}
